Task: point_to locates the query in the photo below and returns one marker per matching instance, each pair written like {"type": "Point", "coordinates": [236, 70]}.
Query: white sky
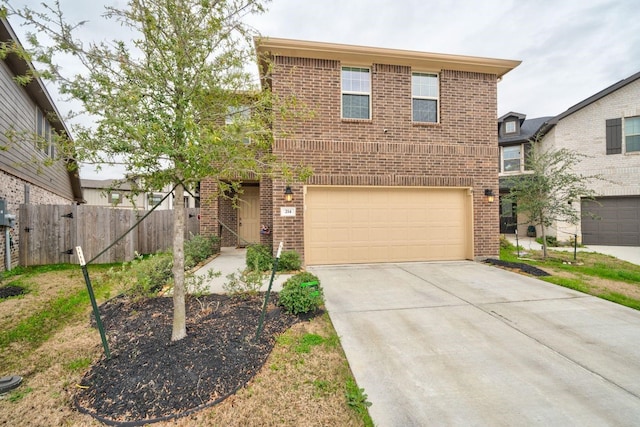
{"type": "Point", "coordinates": [570, 49]}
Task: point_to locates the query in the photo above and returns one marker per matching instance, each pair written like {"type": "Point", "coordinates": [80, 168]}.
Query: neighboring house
{"type": "Point", "coordinates": [605, 127]}
{"type": "Point", "coordinates": [402, 145]}
{"type": "Point", "coordinates": [120, 194]}
{"type": "Point", "coordinates": [28, 111]}
{"type": "Point", "coordinates": [515, 135]}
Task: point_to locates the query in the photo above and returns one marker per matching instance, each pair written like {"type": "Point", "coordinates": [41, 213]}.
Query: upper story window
{"type": "Point", "coordinates": [614, 136]}
{"type": "Point", "coordinates": [510, 127]}
{"type": "Point", "coordinates": [424, 94]}
{"type": "Point", "coordinates": [154, 199]}
{"type": "Point", "coordinates": [114, 198]}
{"type": "Point", "coordinates": [632, 134]}
{"type": "Point", "coordinates": [356, 93]}
{"type": "Point", "coordinates": [511, 157]}
{"type": "Point", "coordinates": [44, 140]}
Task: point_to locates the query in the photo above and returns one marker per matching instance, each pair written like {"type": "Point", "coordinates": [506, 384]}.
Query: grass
{"type": "Point", "coordinates": [46, 338]}
{"type": "Point", "coordinates": [595, 274]}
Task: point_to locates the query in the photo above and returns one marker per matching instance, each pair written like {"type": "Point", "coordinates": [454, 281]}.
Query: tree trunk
{"type": "Point", "coordinates": [179, 312]}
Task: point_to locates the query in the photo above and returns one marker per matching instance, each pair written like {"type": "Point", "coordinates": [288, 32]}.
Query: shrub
{"type": "Point", "coordinates": [198, 249]}
{"type": "Point", "coordinates": [259, 257]}
{"type": "Point", "coordinates": [245, 283]}
{"type": "Point", "coordinates": [289, 261]}
{"type": "Point", "coordinates": [151, 275]}
{"type": "Point", "coordinates": [297, 299]}
{"type": "Point", "coordinates": [551, 241]}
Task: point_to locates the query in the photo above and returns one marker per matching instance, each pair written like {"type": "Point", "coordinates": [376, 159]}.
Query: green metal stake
{"type": "Point", "coordinates": [266, 297]}
{"type": "Point", "coordinates": [96, 312]}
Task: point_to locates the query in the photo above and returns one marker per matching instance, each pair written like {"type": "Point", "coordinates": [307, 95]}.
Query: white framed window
{"type": "Point", "coordinates": [356, 93]}
{"type": "Point", "coordinates": [632, 134]}
{"type": "Point", "coordinates": [424, 97]}
{"type": "Point", "coordinates": [154, 199]}
{"type": "Point", "coordinates": [114, 198]}
{"type": "Point", "coordinates": [511, 159]}
{"type": "Point", "coordinates": [510, 127]}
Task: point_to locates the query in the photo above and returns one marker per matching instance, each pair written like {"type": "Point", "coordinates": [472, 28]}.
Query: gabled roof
{"type": "Point", "coordinates": [363, 55]}
{"type": "Point", "coordinates": [529, 129]}
{"type": "Point", "coordinates": [38, 92]}
{"type": "Point", "coordinates": [596, 97]}
{"type": "Point", "coordinates": [519, 116]}
{"type": "Point", "coordinates": [107, 184]}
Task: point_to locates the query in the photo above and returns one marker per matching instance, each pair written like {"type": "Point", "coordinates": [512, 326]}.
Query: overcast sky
{"type": "Point", "coordinates": [570, 49]}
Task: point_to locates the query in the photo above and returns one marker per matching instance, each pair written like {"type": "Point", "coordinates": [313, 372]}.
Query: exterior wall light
{"type": "Point", "coordinates": [489, 194]}
{"type": "Point", "coordinates": [288, 194]}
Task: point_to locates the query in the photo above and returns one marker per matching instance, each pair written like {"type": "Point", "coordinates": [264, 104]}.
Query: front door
{"type": "Point", "coordinates": [508, 219]}
{"type": "Point", "coordinates": [249, 216]}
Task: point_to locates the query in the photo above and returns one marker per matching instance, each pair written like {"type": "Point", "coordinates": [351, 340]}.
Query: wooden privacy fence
{"type": "Point", "coordinates": [49, 233]}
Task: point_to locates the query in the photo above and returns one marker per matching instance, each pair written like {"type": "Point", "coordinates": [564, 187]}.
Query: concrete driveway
{"type": "Point", "coordinates": [464, 343]}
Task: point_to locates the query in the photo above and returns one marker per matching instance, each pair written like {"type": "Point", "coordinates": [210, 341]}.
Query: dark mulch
{"type": "Point", "coordinates": [526, 268]}
{"type": "Point", "coordinates": [11, 291]}
{"type": "Point", "coordinates": [149, 377]}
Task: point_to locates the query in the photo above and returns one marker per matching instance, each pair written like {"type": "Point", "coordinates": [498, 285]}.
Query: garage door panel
{"type": "Point", "coordinates": [373, 224]}
{"type": "Point", "coordinates": [611, 221]}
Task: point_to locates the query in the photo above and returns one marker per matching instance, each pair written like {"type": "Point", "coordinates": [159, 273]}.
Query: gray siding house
{"type": "Point", "coordinates": [28, 110]}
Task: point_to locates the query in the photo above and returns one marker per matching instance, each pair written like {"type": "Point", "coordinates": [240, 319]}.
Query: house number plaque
{"type": "Point", "coordinates": [287, 211]}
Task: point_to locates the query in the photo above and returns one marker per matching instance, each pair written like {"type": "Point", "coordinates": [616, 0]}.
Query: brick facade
{"type": "Point", "coordinates": [389, 150]}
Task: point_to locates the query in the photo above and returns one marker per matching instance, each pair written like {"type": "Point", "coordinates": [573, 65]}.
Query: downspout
{"type": "Point", "coordinates": [7, 249]}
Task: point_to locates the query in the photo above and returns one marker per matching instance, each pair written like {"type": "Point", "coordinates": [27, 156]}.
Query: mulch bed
{"type": "Point", "coordinates": [526, 268]}
{"type": "Point", "coordinates": [10, 291]}
{"type": "Point", "coordinates": [150, 378]}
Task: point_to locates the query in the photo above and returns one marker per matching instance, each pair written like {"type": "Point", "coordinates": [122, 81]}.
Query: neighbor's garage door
{"type": "Point", "coordinates": [373, 224]}
{"type": "Point", "coordinates": [615, 221]}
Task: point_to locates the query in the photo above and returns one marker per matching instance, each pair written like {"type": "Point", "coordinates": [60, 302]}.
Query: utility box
{"type": "Point", "coordinates": [3, 212]}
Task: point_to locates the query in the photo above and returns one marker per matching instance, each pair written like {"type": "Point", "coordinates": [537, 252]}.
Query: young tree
{"type": "Point", "coordinates": [550, 186]}
{"type": "Point", "coordinates": [170, 104]}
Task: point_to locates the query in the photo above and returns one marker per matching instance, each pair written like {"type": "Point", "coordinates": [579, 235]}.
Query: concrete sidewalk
{"type": "Point", "coordinates": [233, 260]}
{"type": "Point", "coordinates": [625, 253]}
{"type": "Point", "coordinates": [466, 344]}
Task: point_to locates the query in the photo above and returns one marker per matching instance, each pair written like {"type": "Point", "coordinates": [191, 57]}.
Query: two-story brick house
{"type": "Point", "coordinates": [28, 111]}
{"type": "Point", "coordinates": [606, 128]}
{"type": "Point", "coordinates": [402, 145]}
{"type": "Point", "coordinates": [515, 135]}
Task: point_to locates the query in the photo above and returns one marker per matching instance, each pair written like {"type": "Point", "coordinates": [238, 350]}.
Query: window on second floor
{"type": "Point", "coordinates": [513, 158]}
{"type": "Point", "coordinates": [614, 135]}
{"type": "Point", "coordinates": [356, 93]}
{"type": "Point", "coordinates": [510, 126]}
{"type": "Point", "coordinates": [114, 198]}
{"type": "Point", "coordinates": [45, 134]}
{"type": "Point", "coordinates": [154, 199]}
{"type": "Point", "coordinates": [424, 97]}
{"type": "Point", "coordinates": [632, 134]}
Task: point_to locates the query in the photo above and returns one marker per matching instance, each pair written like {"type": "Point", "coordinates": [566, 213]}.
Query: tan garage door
{"type": "Point", "coordinates": [374, 224]}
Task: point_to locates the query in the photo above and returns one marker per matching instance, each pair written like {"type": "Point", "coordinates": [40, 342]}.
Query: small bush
{"type": "Point", "coordinates": [297, 299]}
{"type": "Point", "coordinates": [289, 261]}
{"type": "Point", "coordinates": [151, 275]}
{"type": "Point", "coordinates": [551, 241]}
{"type": "Point", "coordinates": [198, 249]}
{"type": "Point", "coordinates": [245, 283]}
{"type": "Point", "coordinates": [259, 257]}
{"type": "Point", "coordinates": [505, 243]}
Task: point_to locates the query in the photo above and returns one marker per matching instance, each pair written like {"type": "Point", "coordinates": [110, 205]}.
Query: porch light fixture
{"type": "Point", "coordinates": [288, 194]}
{"type": "Point", "coordinates": [489, 194]}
